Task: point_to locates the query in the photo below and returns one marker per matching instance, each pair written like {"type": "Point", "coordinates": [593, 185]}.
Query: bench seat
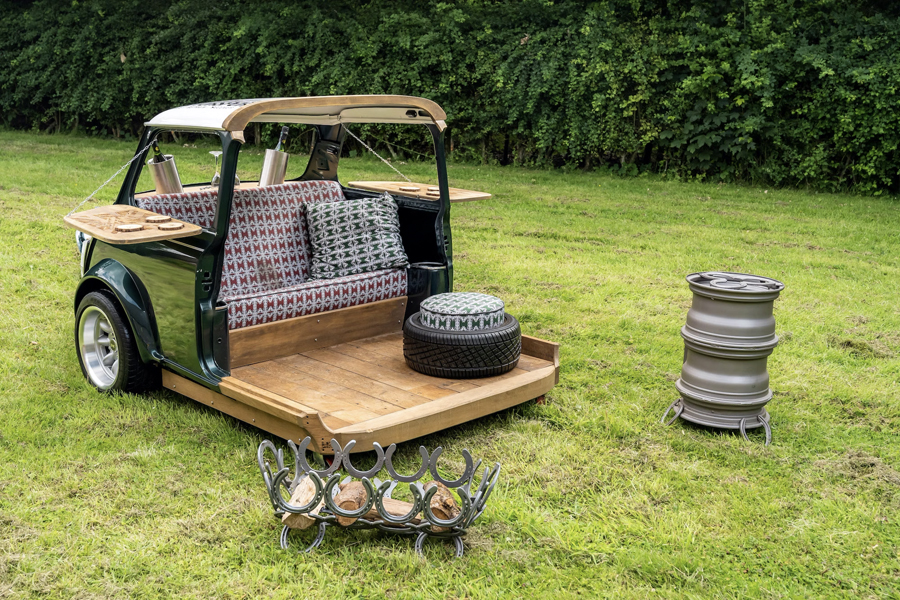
{"type": "Point", "coordinates": [265, 275]}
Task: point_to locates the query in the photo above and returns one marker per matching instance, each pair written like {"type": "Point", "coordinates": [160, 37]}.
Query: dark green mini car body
{"type": "Point", "coordinates": [153, 311]}
{"type": "Point", "coordinates": [169, 289]}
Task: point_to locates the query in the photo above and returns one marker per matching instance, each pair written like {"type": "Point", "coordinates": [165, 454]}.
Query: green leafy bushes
{"type": "Point", "coordinates": [792, 93]}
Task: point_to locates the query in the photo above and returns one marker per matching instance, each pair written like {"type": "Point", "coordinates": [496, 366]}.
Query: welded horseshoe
{"type": "Point", "coordinates": [290, 508]}
{"type": "Point", "coordinates": [420, 544]}
{"type": "Point", "coordinates": [349, 514]}
{"type": "Point", "coordinates": [261, 457]}
{"type": "Point", "coordinates": [391, 518]}
{"type": "Point", "coordinates": [405, 478]}
{"type": "Point", "coordinates": [360, 474]}
{"type": "Point", "coordinates": [318, 540]}
{"type": "Point", "coordinates": [466, 503]}
{"type": "Point", "coordinates": [679, 408]}
{"type": "Point", "coordinates": [298, 466]}
{"type": "Point", "coordinates": [304, 466]}
{"type": "Point", "coordinates": [451, 484]}
{"type": "Point", "coordinates": [765, 424]}
{"type": "Point", "coordinates": [468, 487]}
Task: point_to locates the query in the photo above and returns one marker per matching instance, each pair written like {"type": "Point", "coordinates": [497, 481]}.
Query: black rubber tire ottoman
{"type": "Point", "coordinates": [462, 335]}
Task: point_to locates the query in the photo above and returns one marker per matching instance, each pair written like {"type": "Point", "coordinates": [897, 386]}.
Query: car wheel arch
{"type": "Point", "coordinates": [112, 276]}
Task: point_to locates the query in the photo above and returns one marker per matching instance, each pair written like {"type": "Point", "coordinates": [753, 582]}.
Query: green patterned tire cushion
{"type": "Point", "coordinates": [465, 311]}
{"type": "Point", "coordinates": [354, 236]}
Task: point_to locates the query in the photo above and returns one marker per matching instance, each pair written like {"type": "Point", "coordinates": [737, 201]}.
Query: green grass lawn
{"type": "Point", "coordinates": [157, 496]}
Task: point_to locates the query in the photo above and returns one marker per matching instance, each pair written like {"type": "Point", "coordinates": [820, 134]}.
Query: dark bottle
{"type": "Point", "coordinates": [283, 139]}
{"type": "Point", "coordinates": [157, 153]}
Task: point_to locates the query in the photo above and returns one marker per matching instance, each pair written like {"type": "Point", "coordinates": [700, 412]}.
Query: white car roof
{"type": "Point", "coordinates": [234, 115]}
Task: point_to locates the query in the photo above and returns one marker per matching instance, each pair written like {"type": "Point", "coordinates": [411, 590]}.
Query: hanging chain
{"type": "Point", "coordinates": [125, 166]}
{"type": "Point", "coordinates": [387, 162]}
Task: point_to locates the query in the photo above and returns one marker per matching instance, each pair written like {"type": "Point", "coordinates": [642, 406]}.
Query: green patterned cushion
{"type": "Point", "coordinates": [354, 236]}
{"type": "Point", "coordinates": [465, 311]}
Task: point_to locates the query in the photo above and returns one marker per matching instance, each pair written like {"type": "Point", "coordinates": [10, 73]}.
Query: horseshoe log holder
{"type": "Point", "coordinates": [728, 337]}
{"type": "Point", "coordinates": [420, 521]}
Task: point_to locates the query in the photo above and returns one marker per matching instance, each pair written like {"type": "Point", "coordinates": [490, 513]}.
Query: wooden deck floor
{"type": "Point", "coordinates": [351, 383]}
{"type": "Point", "coordinates": [364, 391]}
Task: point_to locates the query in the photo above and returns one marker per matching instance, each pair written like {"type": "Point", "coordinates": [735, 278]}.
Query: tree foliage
{"type": "Point", "coordinates": [799, 93]}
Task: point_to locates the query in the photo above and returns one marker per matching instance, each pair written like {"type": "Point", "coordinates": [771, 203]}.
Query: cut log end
{"type": "Point", "coordinates": [351, 497]}
{"type": "Point", "coordinates": [443, 504]}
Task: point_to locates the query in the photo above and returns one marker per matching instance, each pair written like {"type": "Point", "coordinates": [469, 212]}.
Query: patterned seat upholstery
{"type": "Point", "coordinates": [318, 295]}
{"type": "Point", "coordinates": [268, 253]}
{"type": "Point", "coordinates": [268, 245]}
{"type": "Point", "coordinates": [197, 207]}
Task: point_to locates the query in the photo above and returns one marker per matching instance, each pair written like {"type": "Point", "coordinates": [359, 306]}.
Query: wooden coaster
{"type": "Point", "coordinates": [170, 226]}
{"type": "Point", "coordinates": [434, 189]}
{"type": "Point", "coordinates": [158, 219]}
{"type": "Point", "coordinates": [409, 188]}
{"type": "Point", "coordinates": [129, 227]}
{"type": "Point", "coordinates": [435, 193]}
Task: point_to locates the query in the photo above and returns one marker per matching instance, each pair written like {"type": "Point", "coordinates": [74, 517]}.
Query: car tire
{"type": "Point", "coordinates": [462, 354]}
{"type": "Point", "coordinates": [106, 347]}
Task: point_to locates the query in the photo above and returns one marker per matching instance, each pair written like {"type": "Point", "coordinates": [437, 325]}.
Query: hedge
{"type": "Point", "coordinates": [776, 91]}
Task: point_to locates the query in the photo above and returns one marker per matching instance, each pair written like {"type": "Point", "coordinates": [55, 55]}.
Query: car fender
{"type": "Point", "coordinates": [111, 275]}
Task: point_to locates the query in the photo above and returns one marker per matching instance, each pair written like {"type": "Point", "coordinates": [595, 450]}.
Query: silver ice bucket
{"type": "Point", "coordinates": [165, 175]}
{"type": "Point", "coordinates": [274, 168]}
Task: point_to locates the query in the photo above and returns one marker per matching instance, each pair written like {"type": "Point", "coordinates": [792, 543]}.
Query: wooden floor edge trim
{"type": "Point", "coordinates": [542, 349]}
{"type": "Point", "coordinates": [241, 390]}
{"type": "Point", "coordinates": [274, 424]}
{"type": "Point", "coordinates": [446, 406]}
{"type": "Point", "coordinates": [276, 405]}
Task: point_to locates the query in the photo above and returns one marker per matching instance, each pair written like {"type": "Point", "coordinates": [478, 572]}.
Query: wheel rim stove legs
{"type": "Point", "coordinates": [678, 407]}
{"type": "Point", "coordinates": [728, 337]}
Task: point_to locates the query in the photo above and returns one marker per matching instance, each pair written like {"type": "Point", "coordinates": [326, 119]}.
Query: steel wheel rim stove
{"type": "Point", "coordinates": [728, 337]}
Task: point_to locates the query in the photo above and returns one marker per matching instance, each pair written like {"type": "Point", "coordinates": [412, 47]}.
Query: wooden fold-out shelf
{"type": "Point", "coordinates": [418, 190]}
{"type": "Point", "coordinates": [364, 391]}
{"type": "Point", "coordinates": [103, 223]}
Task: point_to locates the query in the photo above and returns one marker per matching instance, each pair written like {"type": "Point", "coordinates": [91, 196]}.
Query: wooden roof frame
{"type": "Point", "coordinates": [234, 115]}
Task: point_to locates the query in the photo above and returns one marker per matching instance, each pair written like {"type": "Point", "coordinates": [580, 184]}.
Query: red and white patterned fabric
{"type": "Point", "coordinates": [315, 296]}
{"type": "Point", "coordinates": [268, 248]}
{"type": "Point", "coordinates": [197, 207]}
{"type": "Point", "coordinates": [268, 253]}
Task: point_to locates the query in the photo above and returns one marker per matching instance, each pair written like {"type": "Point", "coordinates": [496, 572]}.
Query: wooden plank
{"type": "Point", "coordinates": [397, 364]}
{"type": "Point", "coordinates": [238, 389]}
{"type": "Point", "coordinates": [389, 344]}
{"type": "Point", "coordinates": [441, 414]}
{"type": "Point", "coordinates": [423, 191]}
{"type": "Point", "coordinates": [404, 381]}
{"type": "Point", "coordinates": [323, 396]}
{"type": "Point", "coordinates": [257, 343]}
{"type": "Point", "coordinates": [101, 223]}
{"type": "Point", "coordinates": [378, 389]}
{"type": "Point", "coordinates": [288, 428]}
{"type": "Point", "coordinates": [433, 392]}
{"type": "Point", "coordinates": [530, 363]}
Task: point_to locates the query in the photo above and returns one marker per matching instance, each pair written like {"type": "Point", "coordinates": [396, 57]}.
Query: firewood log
{"type": "Point", "coordinates": [443, 505]}
{"type": "Point", "coordinates": [302, 495]}
{"type": "Point", "coordinates": [350, 498]}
